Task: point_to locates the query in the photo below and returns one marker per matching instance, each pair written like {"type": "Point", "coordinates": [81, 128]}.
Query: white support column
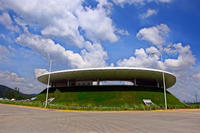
{"type": "Point", "coordinates": [158, 85]}
{"type": "Point", "coordinates": [98, 82]}
{"type": "Point", "coordinates": [67, 83]}
{"type": "Point", "coordinates": [135, 82]}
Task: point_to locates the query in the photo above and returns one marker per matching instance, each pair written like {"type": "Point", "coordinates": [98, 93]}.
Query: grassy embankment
{"type": "Point", "coordinates": [115, 97]}
{"type": "Point", "coordinates": [106, 98]}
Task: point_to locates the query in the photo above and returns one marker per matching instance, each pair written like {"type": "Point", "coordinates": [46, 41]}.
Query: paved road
{"type": "Point", "coordinates": [15, 119]}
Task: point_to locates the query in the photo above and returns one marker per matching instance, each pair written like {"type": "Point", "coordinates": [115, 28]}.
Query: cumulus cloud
{"type": "Point", "coordinates": [151, 57]}
{"type": "Point", "coordinates": [185, 58]}
{"type": "Point", "coordinates": [140, 2]}
{"type": "Point", "coordinates": [6, 20]}
{"type": "Point", "coordinates": [122, 32]}
{"type": "Point", "coordinates": [156, 34]}
{"type": "Point", "coordinates": [197, 75]}
{"type": "Point", "coordinates": [104, 3]}
{"type": "Point", "coordinates": [13, 80]}
{"type": "Point", "coordinates": [70, 21]}
{"type": "Point", "coordinates": [4, 50]}
{"type": "Point", "coordinates": [56, 18]}
{"type": "Point", "coordinates": [67, 19]}
{"type": "Point", "coordinates": [122, 2]}
{"type": "Point", "coordinates": [10, 76]}
{"type": "Point", "coordinates": [97, 25]}
{"type": "Point", "coordinates": [187, 85]}
{"type": "Point", "coordinates": [142, 58]}
{"type": "Point", "coordinates": [39, 71]}
{"type": "Point", "coordinates": [92, 56]}
{"type": "Point", "coordinates": [47, 46]}
{"type": "Point", "coordinates": [4, 53]}
{"type": "Point", "coordinates": [148, 13]}
{"type": "Point", "coordinates": [153, 51]}
{"type": "Point", "coordinates": [165, 1]}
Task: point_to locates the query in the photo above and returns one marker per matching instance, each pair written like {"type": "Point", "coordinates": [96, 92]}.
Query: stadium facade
{"type": "Point", "coordinates": [93, 77]}
{"type": "Point", "coordinates": [83, 87]}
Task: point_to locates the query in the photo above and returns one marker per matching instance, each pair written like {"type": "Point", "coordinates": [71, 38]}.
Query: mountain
{"type": "Point", "coordinates": [6, 92]}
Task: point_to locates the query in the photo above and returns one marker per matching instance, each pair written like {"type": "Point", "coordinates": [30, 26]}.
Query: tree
{"type": "Point", "coordinates": [11, 94]}
{"type": "Point", "coordinates": [196, 97]}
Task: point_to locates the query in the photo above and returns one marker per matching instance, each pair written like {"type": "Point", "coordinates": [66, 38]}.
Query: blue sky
{"type": "Point", "coordinates": [85, 34]}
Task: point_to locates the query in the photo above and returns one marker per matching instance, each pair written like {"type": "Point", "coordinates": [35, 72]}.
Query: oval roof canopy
{"type": "Point", "coordinates": [110, 74]}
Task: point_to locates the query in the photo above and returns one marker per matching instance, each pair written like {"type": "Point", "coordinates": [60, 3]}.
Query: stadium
{"type": "Point", "coordinates": [100, 86]}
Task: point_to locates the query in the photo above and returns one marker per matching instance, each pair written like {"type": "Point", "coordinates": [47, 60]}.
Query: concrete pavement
{"type": "Point", "coordinates": [14, 119]}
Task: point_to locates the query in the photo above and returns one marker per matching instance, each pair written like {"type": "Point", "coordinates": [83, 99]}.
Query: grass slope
{"type": "Point", "coordinates": [109, 96]}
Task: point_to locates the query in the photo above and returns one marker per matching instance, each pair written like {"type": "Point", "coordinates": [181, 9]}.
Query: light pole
{"type": "Point", "coordinates": [164, 86]}
{"type": "Point", "coordinates": [50, 63]}
{"type": "Point", "coordinates": [163, 77]}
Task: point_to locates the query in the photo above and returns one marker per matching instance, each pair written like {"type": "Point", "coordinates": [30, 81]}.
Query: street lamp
{"type": "Point", "coordinates": [163, 77]}
{"type": "Point", "coordinates": [164, 86]}
{"type": "Point", "coordinates": [48, 84]}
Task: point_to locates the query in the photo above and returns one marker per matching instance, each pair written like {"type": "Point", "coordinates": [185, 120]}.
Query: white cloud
{"type": "Point", "coordinates": [122, 32]}
{"type": "Point", "coordinates": [39, 71]}
{"type": "Point", "coordinates": [6, 38]}
{"type": "Point", "coordinates": [148, 13]}
{"type": "Point", "coordinates": [47, 46]}
{"type": "Point", "coordinates": [92, 56]}
{"type": "Point", "coordinates": [66, 27]}
{"type": "Point", "coordinates": [4, 50]}
{"type": "Point", "coordinates": [21, 23]}
{"type": "Point", "coordinates": [97, 25]}
{"type": "Point", "coordinates": [13, 80]}
{"type": "Point", "coordinates": [156, 34]}
{"type": "Point", "coordinates": [142, 58]}
{"type": "Point", "coordinates": [10, 76]}
{"type": "Point", "coordinates": [4, 53]}
{"type": "Point", "coordinates": [187, 86]}
{"type": "Point", "coordinates": [71, 21]}
{"type": "Point", "coordinates": [153, 51]}
{"type": "Point", "coordinates": [7, 22]}
{"type": "Point", "coordinates": [140, 2]}
{"type": "Point", "coordinates": [151, 57]}
{"type": "Point", "coordinates": [122, 2]}
{"type": "Point", "coordinates": [185, 58]}
{"type": "Point", "coordinates": [67, 19]}
{"type": "Point", "coordinates": [197, 75]}
{"type": "Point", "coordinates": [104, 3]}
{"type": "Point", "coordinates": [165, 1]}
{"type": "Point", "coordinates": [56, 18]}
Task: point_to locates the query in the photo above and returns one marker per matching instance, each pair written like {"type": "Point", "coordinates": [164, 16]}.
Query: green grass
{"type": "Point", "coordinates": [26, 103]}
{"type": "Point", "coordinates": [106, 98]}
{"type": "Point", "coordinates": [92, 108]}
{"type": "Point", "coordinates": [71, 107]}
{"type": "Point", "coordinates": [111, 96]}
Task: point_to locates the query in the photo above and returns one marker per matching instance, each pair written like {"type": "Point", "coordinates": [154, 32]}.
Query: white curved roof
{"type": "Point", "coordinates": [109, 73]}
